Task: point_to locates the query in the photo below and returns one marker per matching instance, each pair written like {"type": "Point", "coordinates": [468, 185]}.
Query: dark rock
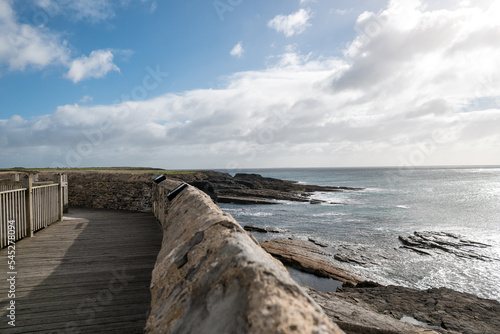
{"type": "Point", "coordinates": [316, 201]}
{"type": "Point", "coordinates": [206, 187]}
{"type": "Point", "coordinates": [417, 250]}
{"type": "Point", "coordinates": [342, 257]}
{"type": "Point", "coordinates": [253, 188]}
{"type": "Point", "coordinates": [368, 284]}
{"type": "Point", "coordinates": [445, 310]}
{"type": "Point", "coordinates": [446, 242]}
{"type": "Point", "coordinates": [357, 254]}
{"type": "Point", "coordinates": [319, 243]}
{"type": "Point", "coordinates": [355, 316]}
{"type": "Point", "coordinates": [304, 256]}
{"type": "Point", "coordinates": [252, 228]}
{"type": "Point", "coordinates": [244, 200]}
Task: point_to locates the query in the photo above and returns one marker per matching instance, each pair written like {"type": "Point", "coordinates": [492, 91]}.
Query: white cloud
{"type": "Point", "coordinates": [292, 24]}
{"type": "Point", "coordinates": [423, 88]}
{"type": "Point", "coordinates": [237, 50]}
{"type": "Point", "coordinates": [154, 6]}
{"type": "Point", "coordinates": [93, 11]}
{"type": "Point", "coordinates": [22, 45]}
{"type": "Point", "coordinates": [344, 11]}
{"type": "Point", "coordinates": [96, 65]}
{"type": "Point", "coordinates": [86, 98]}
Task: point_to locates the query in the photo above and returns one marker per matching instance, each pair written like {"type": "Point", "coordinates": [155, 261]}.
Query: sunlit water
{"type": "Point", "coordinates": [395, 202]}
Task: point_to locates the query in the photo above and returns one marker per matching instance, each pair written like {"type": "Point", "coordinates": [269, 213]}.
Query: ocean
{"type": "Point", "coordinates": [395, 202]}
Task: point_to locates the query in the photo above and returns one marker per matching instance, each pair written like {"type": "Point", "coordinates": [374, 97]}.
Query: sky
{"type": "Point", "coordinates": [230, 84]}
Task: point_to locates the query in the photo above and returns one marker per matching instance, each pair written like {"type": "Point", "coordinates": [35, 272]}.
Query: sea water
{"type": "Point", "coordinates": [394, 202]}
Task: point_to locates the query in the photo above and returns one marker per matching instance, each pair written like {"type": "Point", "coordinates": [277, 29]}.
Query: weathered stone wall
{"type": "Point", "coordinates": [212, 277]}
{"type": "Point", "coordinates": [111, 191]}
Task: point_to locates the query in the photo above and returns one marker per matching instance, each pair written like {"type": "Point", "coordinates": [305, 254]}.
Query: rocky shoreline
{"type": "Point", "coordinates": [362, 306]}
{"type": "Point", "coordinates": [254, 188]}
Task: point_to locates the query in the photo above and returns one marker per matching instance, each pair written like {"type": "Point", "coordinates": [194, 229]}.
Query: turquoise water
{"type": "Point", "coordinates": [395, 202]}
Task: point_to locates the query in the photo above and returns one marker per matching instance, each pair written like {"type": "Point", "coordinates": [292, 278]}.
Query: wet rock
{"type": "Point", "coordinates": [252, 228]}
{"type": "Point", "coordinates": [304, 256]}
{"type": "Point", "coordinates": [417, 250]}
{"type": "Point", "coordinates": [342, 257]}
{"type": "Point", "coordinates": [358, 255]}
{"type": "Point", "coordinates": [443, 310]}
{"type": "Point", "coordinates": [446, 242]}
{"type": "Point", "coordinates": [244, 200]}
{"type": "Point", "coordinates": [353, 315]}
{"type": "Point", "coordinates": [316, 201]}
{"type": "Point", "coordinates": [318, 243]}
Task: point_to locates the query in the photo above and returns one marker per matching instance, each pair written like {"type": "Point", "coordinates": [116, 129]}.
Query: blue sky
{"type": "Point", "coordinates": [189, 40]}
{"type": "Point", "coordinates": [241, 84]}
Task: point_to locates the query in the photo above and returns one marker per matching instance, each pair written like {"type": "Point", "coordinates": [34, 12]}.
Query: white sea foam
{"type": "Point", "coordinates": [326, 214]}
{"type": "Point", "coordinates": [328, 197]}
{"type": "Point", "coordinates": [255, 214]}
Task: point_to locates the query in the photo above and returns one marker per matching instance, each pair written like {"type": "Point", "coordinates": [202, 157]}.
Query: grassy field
{"type": "Point", "coordinates": [128, 170]}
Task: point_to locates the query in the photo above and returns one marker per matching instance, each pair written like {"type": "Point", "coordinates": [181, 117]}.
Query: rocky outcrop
{"type": "Point", "coordinates": [441, 310]}
{"type": "Point", "coordinates": [355, 316]}
{"type": "Point", "coordinates": [307, 257]}
{"type": "Point", "coordinates": [212, 277]}
{"type": "Point", "coordinates": [425, 242]}
{"type": "Point", "coordinates": [253, 188]}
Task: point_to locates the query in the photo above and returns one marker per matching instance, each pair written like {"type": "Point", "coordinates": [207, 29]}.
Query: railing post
{"type": "Point", "coordinates": [60, 199]}
{"type": "Point", "coordinates": [28, 184]}
{"type": "Point", "coordinates": [65, 193]}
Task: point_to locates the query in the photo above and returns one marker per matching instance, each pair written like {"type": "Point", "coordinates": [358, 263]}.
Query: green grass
{"type": "Point", "coordinates": [129, 170]}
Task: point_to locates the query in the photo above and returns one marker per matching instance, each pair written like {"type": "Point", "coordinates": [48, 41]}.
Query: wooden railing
{"type": "Point", "coordinates": [12, 216]}
{"type": "Point", "coordinates": [31, 208]}
{"type": "Point", "coordinates": [45, 206]}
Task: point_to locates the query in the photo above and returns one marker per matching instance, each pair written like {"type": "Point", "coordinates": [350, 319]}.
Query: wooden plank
{"type": "Point", "coordinates": [98, 262]}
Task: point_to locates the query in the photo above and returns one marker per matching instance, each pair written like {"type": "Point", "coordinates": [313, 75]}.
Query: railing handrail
{"type": "Point", "coordinates": [11, 191]}
{"type": "Point", "coordinates": [45, 186]}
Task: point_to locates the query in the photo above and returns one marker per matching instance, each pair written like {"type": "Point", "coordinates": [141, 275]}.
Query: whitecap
{"type": "Point", "coordinates": [326, 214]}
{"type": "Point", "coordinates": [255, 214]}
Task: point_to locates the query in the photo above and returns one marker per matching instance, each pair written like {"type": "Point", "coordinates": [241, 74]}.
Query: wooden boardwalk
{"type": "Point", "coordinates": [89, 273]}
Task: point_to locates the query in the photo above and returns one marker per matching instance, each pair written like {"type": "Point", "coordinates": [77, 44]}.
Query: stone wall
{"type": "Point", "coordinates": [212, 277]}
{"type": "Point", "coordinates": [111, 191]}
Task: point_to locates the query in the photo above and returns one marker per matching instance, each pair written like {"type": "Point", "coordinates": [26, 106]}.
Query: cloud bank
{"type": "Point", "coordinates": [417, 86]}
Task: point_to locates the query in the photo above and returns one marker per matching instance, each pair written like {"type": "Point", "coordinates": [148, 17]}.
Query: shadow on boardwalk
{"type": "Point", "coordinates": [88, 274]}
